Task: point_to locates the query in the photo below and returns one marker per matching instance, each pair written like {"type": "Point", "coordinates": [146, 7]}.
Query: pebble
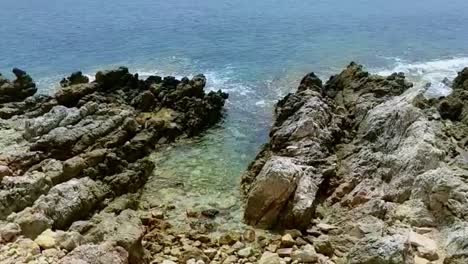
{"type": "Point", "coordinates": [245, 252]}
{"type": "Point", "coordinates": [287, 241]}
{"type": "Point", "coordinates": [285, 252]}
{"type": "Point", "coordinates": [305, 255]}
{"type": "Point", "coordinates": [269, 258]}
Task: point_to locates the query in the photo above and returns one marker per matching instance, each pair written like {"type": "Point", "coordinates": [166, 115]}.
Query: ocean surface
{"type": "Point", "coordinates": [255, 50]}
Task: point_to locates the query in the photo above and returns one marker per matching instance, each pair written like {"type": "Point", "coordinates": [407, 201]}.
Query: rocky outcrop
{"type": "Point", "coordinates": [74, 78]}
{"type": "Point", "coordinates": [17, 90]}
{"type": "Point", "coordinates": [366, 161]}
{"type": "Point", "coordinates": [66, 157]}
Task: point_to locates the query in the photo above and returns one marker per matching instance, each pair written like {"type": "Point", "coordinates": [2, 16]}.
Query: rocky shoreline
{"type": "Point", "coordinates": [74, 162]}
{"type": "Point", "coordinates": [362, 169]}
{"type": "Point", "coordinates": [370, 169]}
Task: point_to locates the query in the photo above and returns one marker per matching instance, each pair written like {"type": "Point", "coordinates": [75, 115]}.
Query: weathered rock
{"type": "Point", "coordinates": [287, 241]}
{"type": "Point", "coordinates": [99, 254]}
{"type": "Point", "coordinates": [461, 81]}
{"type": "Point", "coordinates": [9, 232]}
{"type": "Point", "coordinates": [306, 254]}
{"type": "Point", "coordinates": [269, 258]}
{"type": "Point", "coordinates": [74, 78]}
{"type": "Point", "coordinates": [369, 156]}
{"type": "Point", "coordinates": [245, 252]}
{"type": "Point", "coordinates": [387, 250]}
{"type": "Point", "coordinates": [19, 89]}
{"type": "Point", "coordinates": [66, 156]}
{"type": "Point", "coordinates": [125, 230]}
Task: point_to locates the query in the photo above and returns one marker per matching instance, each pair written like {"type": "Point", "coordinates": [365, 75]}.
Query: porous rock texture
{"type": "Point", "coordinates": [371, 169]}
{"type": "Point", "coordinates": [63, 158]}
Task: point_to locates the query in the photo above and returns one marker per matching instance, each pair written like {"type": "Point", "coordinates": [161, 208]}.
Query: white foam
{"type": "Point", "coordinates": [433, 72]}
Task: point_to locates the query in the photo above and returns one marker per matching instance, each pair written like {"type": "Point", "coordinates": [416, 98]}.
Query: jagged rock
{"type": "Point", "coordinates": [65, 157]}
{"type": "Point", "coordinates": [99, 254]}
{"type": "Point", "coordinates": [74, 78]}
{"type": "Point", "coordinates": [125, 229]}
{"type": "Point", "coordinates": [70, 95]}
{"type": "Point", "coordinates": [386, 250]}
{"type": "Point", "coordinates": [367, 155]}
{"type": "Point", "coordinates": [19, 89]}
{"type": "Point", "coordinates": [461, 81]}
{"type": "Point", "coordinates": [279, 176]}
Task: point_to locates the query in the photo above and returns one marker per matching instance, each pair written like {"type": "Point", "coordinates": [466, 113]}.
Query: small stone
{"type": "Point", "coordinates": [175, 252]}
{"type": "Point", "coordinates": [191, 261]}
{"type": "Point", "coordinates": [237, 246]}
{"type": "Point", "coordinates": [10, 231]}
{"type": "Point", "coordinates": [210, 252]}
{"type": "Point", "coordinates": [301, 242]}
{"type": "Point", "coordinates": [191, 213]}
{"type": "Point", "coordinates": [158, 214]}
{"type": "Point", "coordinates": [285, 252]}
{"type": "Point", "coordinates": [269, 258]}
{"type": "Point", "coordinates": [272, 247]}
{"type": "Point", "coordinates": [47, 239]}
{"type": "Point", "coordinates": [249, 235]}
{"type": "Point", "coordinates": [287, 241]}
{"type": "Point", "coordinates": [197, 243]}
{"type": "Point", "coordinates": [5, 171]}
{"type": "Point", "coordinates": [418, 240]}
{"type": "Point", "coordinates": [294, 233]}
{"type": "Point", "coordinates": [314, 231]}
{"type": "Point", "coordinates": [428, 254]}
{"type": "Point", "coordinates": [228, 238]}
{"type": "Point", "coordinates": [326, 227]}
{"type": "Point", "coordinates": [245, 252]}
{"type": "Point", "coordinates": [210, 213]}
{"type": "Point", "coordinates": [230, 260]}
{"type": "Point", "coordinates": [305, 255]}
{"type": "Point", "coordinates": [166, 261]}
{"type": "Point", "coordinates": [323, 245]}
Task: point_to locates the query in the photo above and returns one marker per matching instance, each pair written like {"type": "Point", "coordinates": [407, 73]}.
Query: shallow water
{"type": "Point", "coordinates": [255, 50]}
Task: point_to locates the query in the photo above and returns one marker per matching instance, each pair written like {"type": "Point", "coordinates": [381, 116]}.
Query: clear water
{"type": "Point", "coordinates": [256, 50]}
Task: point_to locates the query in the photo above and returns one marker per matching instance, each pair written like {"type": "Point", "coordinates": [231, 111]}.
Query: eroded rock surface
{"type": "Point", "coordinates": [63, 158]}
{"type": "Point", "coordinates": [369, 167]}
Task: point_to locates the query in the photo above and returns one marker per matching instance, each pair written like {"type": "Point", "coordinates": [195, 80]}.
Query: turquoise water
{"type": "Point", "coordinates": [256, 50]}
